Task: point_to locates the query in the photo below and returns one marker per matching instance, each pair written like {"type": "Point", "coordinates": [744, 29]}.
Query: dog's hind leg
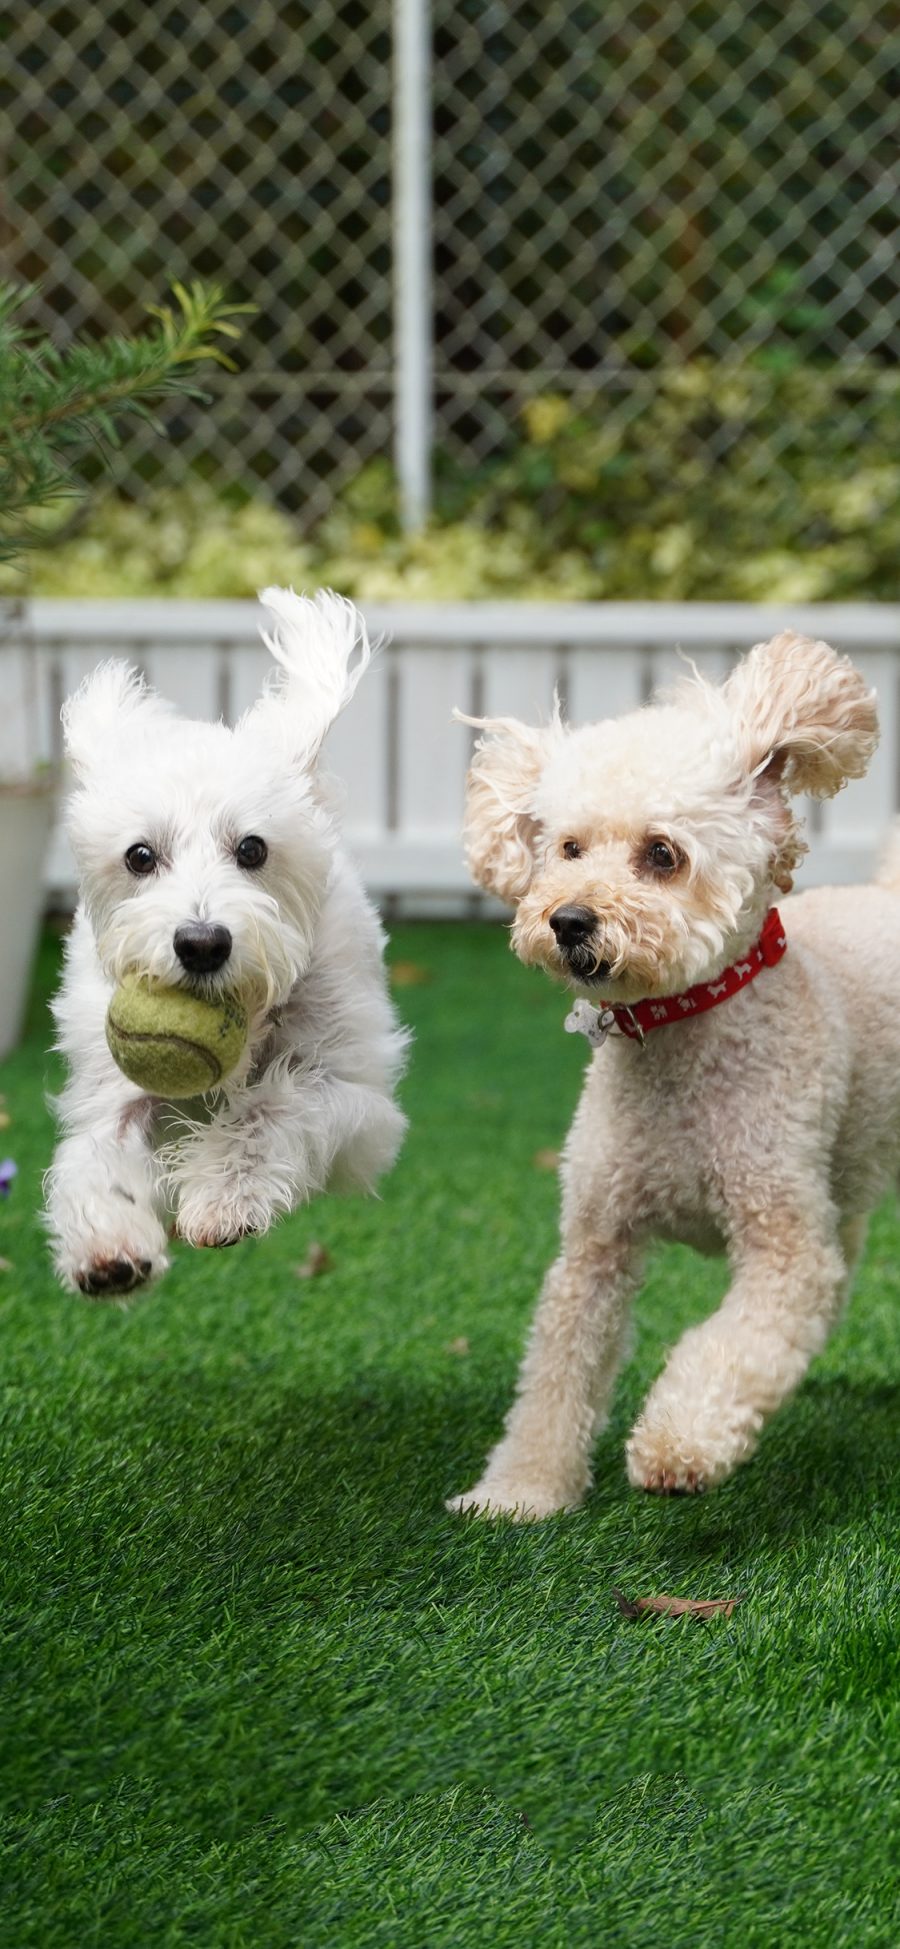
{"type": "Point", "coordinates": [543, 1461]}
{"type": "Point", "coordinates": [726, 1377]}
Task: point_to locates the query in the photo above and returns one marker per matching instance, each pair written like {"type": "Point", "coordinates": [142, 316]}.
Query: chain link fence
{"type": "Point", "coordinates": [619, 189]}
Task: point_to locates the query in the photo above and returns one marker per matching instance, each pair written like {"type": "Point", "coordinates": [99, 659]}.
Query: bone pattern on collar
{"type": "Point", "coordinates": [638, 1019]}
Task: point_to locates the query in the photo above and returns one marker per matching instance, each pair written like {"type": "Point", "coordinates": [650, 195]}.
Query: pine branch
{"type": "Point", "coordinates": [55, 402]}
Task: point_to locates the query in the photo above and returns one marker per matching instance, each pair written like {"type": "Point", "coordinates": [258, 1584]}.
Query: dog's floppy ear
{"type": "Point", "coordinates": [113, 700]}
{"type": "Point", "coordinates": [804, 714]}
{"type": "Point", "coordinates": [314, 641]}
{"type": "Point", "coordinates": [500, 823]}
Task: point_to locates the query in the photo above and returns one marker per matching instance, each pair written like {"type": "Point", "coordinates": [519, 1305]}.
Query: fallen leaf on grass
{"type": "Point", "coordinates": [409, 974]}
{"type": "Point", "coordinates": [546, 1160]}
{"type": "Point", "coordinates": [6, 1265]}
{"type": "Point", "coordinates": [676, 1606]}
{"type": "Point", "coordinates": [5, 1119]}
{"type": "Point", "coordinates": [460, 1346]}
{"type": "Point", "coordinates": [318, 1260]}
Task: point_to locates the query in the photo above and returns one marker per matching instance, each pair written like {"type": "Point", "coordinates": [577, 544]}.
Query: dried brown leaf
{"type": "Point", "coordinates": [460, 1346]}
{"type": "Point", "coordinates": [318, 1260]}
{"type": "Point", "coordinates": [546, 1160]}
{"type": "Point", "coordinates": [409, 974]}
{"type": "Point", "coordinates": [664, 1606]}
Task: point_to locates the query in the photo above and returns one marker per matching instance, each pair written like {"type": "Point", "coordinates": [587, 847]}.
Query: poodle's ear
{"type": "Point", "coordinates": [500, 822]}
{"type": "Point", "coordinates": [111, 702]}
{"type": "Point", "coordinates": [314, 640]}
{"type": "Point", "coordinates": [803, 714]}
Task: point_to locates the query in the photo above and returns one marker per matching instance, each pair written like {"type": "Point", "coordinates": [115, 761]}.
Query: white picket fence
{"type": "Point", "coordinates": [402, 759]}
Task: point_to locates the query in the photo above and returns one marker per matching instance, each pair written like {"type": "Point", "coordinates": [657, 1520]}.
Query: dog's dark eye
{"type": "Point", "coordinates": [571, 849]}
{"type": "Point", "coordinates": [141, 859]}
{"type": "Point", "coordinates": [660, 857]}
{"type": "Point", "coordinates": [251, 852]}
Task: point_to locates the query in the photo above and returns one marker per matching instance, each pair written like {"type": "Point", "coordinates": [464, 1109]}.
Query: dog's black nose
{"type": "Point", "coordinates": [572, 925]}
{"type": "Point", "coordinates": [201, 946]}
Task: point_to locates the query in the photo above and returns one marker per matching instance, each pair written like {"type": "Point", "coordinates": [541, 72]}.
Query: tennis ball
{"type": "Point", "coordinates": [173, 1043]}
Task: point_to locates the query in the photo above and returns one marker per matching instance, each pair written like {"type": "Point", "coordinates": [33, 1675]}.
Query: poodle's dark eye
{"type": "Point", "coordinates": [251, 852]}
{"type": "Point", "coordinates": [660, 857]}
{"type": "Point", "coordinates": [140, 859]}
{"type": "Point", "coordinates": [571, 849]}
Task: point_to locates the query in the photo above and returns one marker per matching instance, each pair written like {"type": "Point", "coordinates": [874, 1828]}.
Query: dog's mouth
{"type": "Point", "coordinates": [586, 965]}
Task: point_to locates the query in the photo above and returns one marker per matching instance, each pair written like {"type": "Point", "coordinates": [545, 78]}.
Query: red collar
{"type": "Point", "coordinates": [638, 1020]}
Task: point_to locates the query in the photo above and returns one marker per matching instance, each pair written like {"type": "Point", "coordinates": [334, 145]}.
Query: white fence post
{"type": "Point", "coordinates": [413, 404]}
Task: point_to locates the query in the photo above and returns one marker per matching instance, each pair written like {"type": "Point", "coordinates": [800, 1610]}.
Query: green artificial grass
{"type": "Point", "coordinates": [259, 1689]}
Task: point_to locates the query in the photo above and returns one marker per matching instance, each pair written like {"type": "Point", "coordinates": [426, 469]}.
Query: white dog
{"type": "Point", "coordinates": [208, 858]}
{"type": "Point", "coordinates": [746, 1095]}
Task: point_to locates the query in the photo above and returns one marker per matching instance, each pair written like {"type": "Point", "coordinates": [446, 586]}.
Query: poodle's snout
{"type": "Point", "coordinates": [202, 946]}
{"type": "Point", "coordinates": [572, 925]}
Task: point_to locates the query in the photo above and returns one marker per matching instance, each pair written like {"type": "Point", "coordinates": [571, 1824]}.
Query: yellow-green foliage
{"type": "Point", "coordinates": [703, 481]}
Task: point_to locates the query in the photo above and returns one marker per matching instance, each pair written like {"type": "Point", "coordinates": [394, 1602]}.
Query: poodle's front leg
{"type": "Point", "coordinates": [543, 1462]}
{"type": "Point", "coordinates": [103, 1196]}
{"type": "Point", "coordinates": [726, 1377]}
{"type": "Point", "coordinates": [273, 1146]}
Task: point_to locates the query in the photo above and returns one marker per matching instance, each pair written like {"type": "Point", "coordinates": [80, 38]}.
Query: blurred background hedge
{"type": "Point", "coordinates": [665, 311]}
{"type": "Point", "coordinates": [685, 499]}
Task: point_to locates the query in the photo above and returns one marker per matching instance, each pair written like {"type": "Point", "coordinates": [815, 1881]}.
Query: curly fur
{"type": "Point", "coordinates": [767, 1128]}
{"type": "Point", "coordinates": [500, 827]}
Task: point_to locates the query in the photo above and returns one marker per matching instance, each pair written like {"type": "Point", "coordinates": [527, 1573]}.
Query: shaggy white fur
{"type": "Point", "coordinates": [642, 856]}
{"type": "Point", "coordinates": [311, 1105]}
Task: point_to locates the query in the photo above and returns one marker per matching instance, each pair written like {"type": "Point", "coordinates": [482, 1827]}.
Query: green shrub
{"type": "Point", "coordinates": [61, 407]}
{"type": "Point", "coordinates": [717, 482]}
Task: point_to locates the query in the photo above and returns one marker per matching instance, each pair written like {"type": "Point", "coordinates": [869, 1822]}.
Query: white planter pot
{"type": "Point", "coordinates": [26, 815]}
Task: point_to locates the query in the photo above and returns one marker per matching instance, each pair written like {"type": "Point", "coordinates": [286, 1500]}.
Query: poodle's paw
{"type": "Point", "coordinates": [702, 1418]}
{"type": "Point", "coordinates": [525, 1502]}
{"type": "Point", "coordinates": [663, 1481]}
{"type": "Point", "coordinates": [670, 1463]}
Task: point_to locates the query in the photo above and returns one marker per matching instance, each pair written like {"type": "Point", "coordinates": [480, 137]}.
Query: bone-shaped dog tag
{"type": "Point", "coordinates": [593, 1023]}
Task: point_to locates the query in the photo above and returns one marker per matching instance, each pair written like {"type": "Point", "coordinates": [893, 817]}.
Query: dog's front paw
{"type": "Point", "coordinates": [214, 1237]}
{"type": "Point", "coordinates": [110, 1278]}
{"type": "Point", "coordinates": [107, 1269]}
{"type": "Point", "coordinates": [213, 1229]}
{"type": "Point", "coordinates": [525, 1502]}
{"type": "Point", "coordinates": [683, 1461]}
{"type": "Point", "coordinates": [662, 1478]}
{"type": "Point", "coordinates": [107, 1238]}
{"type": "Point", "coordinates": [219, 1216]}
{"type": "Point", "coordinates": [703, 1416]}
